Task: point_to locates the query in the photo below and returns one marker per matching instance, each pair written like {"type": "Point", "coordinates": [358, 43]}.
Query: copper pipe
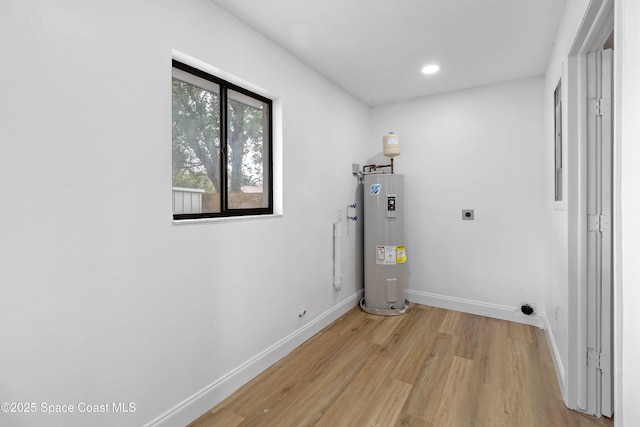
{"type": "Point", "coordinates": [374, 167]}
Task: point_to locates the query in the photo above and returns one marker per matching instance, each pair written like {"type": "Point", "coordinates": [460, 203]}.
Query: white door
{"type": "Point", "coordinates": [599, 241]}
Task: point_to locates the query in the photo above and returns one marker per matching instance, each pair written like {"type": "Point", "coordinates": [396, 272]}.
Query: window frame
{"type": "Point", "coordinates": [225, 210]}
{"type": "Point", "coordinates": [557, 143]}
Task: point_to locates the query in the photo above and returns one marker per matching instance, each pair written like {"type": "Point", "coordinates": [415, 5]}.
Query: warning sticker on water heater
{"type": "Point", "coordinates": [401, 255]}
{"type": "Point", "coordinates": [386, 255]}
{"type": "Point", "coordinates": [390, 255]}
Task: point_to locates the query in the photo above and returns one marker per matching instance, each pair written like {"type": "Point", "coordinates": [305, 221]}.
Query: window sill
{"type": "Point", "coordinates": [225, 219]}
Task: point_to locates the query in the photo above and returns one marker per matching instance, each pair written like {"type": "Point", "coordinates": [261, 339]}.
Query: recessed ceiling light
{"type": "Point", "coordinates": [430, 69]}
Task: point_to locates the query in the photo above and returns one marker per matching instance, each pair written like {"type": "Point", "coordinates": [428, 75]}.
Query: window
{"type": "Point", "coordinates": [222, 150]}
{"type": "Point", "coordinates": [557, 108]}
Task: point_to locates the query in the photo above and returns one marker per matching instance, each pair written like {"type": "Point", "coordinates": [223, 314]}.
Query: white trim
{"type": "Point", "coordinates": [555, 355]}
{"type": "Point", "coordinates": [576, 223]}
{"type": "Point", "coordinates": [203, 400]}
{"type": "Point", "coordinates": [596, 26]}
{"type": "Point", "coordinates": [476, 307]}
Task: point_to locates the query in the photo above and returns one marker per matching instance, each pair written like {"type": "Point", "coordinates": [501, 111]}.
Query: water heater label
{"type": "Point", "coordinates": [401, 255]}
{"type": "Point", "coordinates": [374, 190]}
{"type": "Point", "coordinates": [386, 255]}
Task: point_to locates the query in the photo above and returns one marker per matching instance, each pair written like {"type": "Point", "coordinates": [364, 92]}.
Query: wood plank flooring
{"type": "Point", "coordinates": [429, 368]}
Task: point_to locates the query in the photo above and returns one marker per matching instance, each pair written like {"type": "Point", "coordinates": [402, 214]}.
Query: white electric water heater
{"type": "Point", "coordinates": [384, 245]}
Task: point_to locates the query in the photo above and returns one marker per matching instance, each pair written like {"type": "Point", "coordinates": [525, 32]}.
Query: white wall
{"type": "Point", "coordinates": [104, 299]}
{"type": "Point", "coordinates": [628, 205]}
{"type": "Point", "coordinates": [475, 149]}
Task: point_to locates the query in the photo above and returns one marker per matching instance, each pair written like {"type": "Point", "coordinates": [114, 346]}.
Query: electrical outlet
{"type": "Point", "coordinates": [302, 311]}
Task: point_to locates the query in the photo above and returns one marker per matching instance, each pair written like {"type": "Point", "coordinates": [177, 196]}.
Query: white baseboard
{"type": "Point", "coordinates": [557, 360]}
{"type": "Point", "coordinates": [200, 402]}
{"type": "Point", "coordinates": [476, 307]}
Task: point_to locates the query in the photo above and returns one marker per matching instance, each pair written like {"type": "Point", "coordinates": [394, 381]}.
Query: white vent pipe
{"type": "Point", "coordinates": [337, 256]}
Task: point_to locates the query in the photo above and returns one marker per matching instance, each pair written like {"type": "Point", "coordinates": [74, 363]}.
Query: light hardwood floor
{"type": "Point", "coordinates": [430, 367]}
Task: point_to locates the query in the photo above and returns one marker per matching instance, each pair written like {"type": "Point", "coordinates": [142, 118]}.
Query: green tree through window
{"type": "Point", "coordinates": [206, 112]}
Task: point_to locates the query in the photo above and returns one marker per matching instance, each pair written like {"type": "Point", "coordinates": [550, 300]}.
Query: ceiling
{"type": "Point", "coordinates": [375, 49]}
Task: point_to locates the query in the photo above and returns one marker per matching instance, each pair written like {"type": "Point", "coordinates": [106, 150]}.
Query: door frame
{"type": "Point", "coordinates": [599, 242]}
{"type": "Point", "coordinates": [596, 27]}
